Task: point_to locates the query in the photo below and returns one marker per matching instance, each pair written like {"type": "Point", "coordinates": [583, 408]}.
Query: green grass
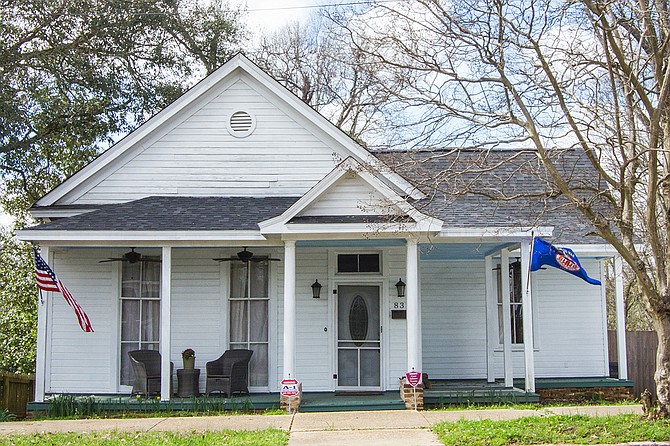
{"type": "Point", "coordinates": [270, 437]}
{"type": "Point", "coordinates": [527, 406]}
{"type": "Point", "coordinates": [553, 429]}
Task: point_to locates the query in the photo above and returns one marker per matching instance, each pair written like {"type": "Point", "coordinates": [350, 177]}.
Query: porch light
{"type": "Point", "coordinates": [316, 289]}
{"type": "Point", "coordinates": [400, 286]}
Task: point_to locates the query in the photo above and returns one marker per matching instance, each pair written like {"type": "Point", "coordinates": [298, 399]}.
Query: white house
{"type": "Point", "coordinates": [240, 164]}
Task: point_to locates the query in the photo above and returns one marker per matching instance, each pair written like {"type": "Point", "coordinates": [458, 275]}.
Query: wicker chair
{"type": "Point", "coordinates": [147, 369]}
{"type": "Point", "coordinates": [229, 373]}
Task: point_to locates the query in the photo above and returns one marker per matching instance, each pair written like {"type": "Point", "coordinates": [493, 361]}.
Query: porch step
{"type": "Point", "coordinates": [329, 402]}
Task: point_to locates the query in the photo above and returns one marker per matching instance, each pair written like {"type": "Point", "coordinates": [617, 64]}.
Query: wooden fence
{"type": "Point", "coordinates": [641, 351]}
{"type": "Point", "coordinates": [16, 391]}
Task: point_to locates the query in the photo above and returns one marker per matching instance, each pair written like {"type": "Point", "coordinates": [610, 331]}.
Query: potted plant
{"type": "Point", "coordinates": [188, 357]}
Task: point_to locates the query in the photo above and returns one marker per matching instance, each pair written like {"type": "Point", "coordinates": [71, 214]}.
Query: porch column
{"type": "Point", "coordinates": [166, 309]}
{"type": "Point", "coordinates": [41, 355]}
{"type": "Point", "coordinates": [491, 318]}
{"type": "Point", "coordinates": [507, 329]}
{"type": "Point", "coordinates": [527, 311]}
{"type": "Point", "coordinates": [413, 314]}
{"type": "Point", "coordinates": [620, 319]}
{"type": "Point", "coordinates": [289, 309]}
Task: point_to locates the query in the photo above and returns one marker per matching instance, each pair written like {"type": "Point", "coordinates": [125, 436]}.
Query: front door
{"type": "Point", "coordinates": [358, 337]}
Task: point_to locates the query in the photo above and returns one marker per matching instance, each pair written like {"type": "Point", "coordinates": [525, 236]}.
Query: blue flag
{"type": "Point", "coordinates": [544, 253]}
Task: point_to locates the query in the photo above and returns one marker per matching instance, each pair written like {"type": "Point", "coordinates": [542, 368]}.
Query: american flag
{"type": "Point", "coordinates": [47, 281]}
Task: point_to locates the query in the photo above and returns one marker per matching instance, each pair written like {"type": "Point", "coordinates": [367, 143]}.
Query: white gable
{"type": "Point", "coordinates": [188, 150]}
{"type": "Point", "coordinates": [350, 195]}
{"type": "Point", "coordinates": [350, 191]}
{"type": "Point", "coordinates": [199, 157]}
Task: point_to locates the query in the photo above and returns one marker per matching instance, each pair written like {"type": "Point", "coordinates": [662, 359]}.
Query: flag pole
{"type": "Point", "coordinates": [530, 262]}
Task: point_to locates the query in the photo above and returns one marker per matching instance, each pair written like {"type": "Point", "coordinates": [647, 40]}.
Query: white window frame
{"type": "Point", "coordinates": [269, 327]}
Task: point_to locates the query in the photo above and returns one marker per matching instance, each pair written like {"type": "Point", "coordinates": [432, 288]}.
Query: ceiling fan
{"type": "Point", "coordinates": [245, 257]}
{"type": "Point", "coordinates": [131, 257]}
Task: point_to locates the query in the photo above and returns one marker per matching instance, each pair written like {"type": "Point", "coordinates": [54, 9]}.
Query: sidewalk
{"type": "Point", "coordinates": [404, 428]}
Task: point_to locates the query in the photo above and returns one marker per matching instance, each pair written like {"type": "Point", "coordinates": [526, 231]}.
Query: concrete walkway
{"type": "Point", "coordinates": [386, 428]}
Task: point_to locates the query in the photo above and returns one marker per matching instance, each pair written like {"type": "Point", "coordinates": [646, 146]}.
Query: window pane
{"type": "Point", "coordinates": [347, 365]}
{"type": "Point", "coordinates": [370, 368]}
{"type": "Point", "coordinates": [151, 278]}
{"type": "Point", "coordinates": [258, 366]}
{"type": "Point", "coordinates": [258, 286]}
{"type": "Point", "coordinates": [126, 370]}
{"type": "Point", "coordinates": [347, 263]}
{"type": "Point", "coordinates": [500, 325]}
{"type": "Point", "coordinates": [239, 320]}
{"type": "Point", "coordinates": [258, 327]}
{"type": "Point", "coordinates": [368, 263]}
{"type": "Point", "coordinates": [238, 280]}
{"type": "Point", "coordinates": [130, 286]}
{"type": "Point", "coordinates": [150, 320]}
{"type": "Point", "coordinates": [130, 320]}
{"type": "Point", "coordinates": [517, 324]}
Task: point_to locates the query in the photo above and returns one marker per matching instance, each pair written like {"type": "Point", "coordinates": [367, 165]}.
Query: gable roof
{"type": "Point", "coordinates": [501, 189]}
{"type": "Point", "coordinates": [238, 63]}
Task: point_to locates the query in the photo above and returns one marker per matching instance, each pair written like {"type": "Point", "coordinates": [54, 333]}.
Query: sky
{"type": "Point", "coordinates": [270, 15]}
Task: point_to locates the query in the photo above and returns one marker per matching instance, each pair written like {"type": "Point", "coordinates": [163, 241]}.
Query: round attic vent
{"type": "Point", "coordinates": [241, 124]}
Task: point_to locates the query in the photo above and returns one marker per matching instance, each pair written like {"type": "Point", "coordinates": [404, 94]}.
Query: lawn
{"type": "Point", "coordinates": [577, 429]}
{"type": "Point", "coordinates": [270, 437]}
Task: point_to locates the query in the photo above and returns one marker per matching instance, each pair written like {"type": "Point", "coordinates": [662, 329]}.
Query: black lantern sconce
{"type": "Point", "coordinates": [316, 289]}
{"type": "Point", "coordinates": [400, 286]}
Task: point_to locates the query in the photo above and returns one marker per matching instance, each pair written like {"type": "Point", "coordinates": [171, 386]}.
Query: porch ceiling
{"type": "Point", "coordinates": [460, 251]}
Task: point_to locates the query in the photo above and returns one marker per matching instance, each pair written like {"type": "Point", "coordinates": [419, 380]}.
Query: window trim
{"type": "Point", "coordinates": [516, 347]}
{"type": "Point", "coordinates": [119, 339]}
{"type": "Point", "coordinates": [247, 298]}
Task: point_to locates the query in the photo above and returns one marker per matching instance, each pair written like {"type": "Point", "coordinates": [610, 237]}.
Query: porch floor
{"type": "Point", "coordinates": [441, 392]}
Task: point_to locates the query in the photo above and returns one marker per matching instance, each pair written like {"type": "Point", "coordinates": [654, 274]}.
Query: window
{"type": "Point", "coordinates": [516, 309]}
{"type": "Point", "coordinates": [140, 311]}
{"type": "Point", "coordinates": [249, 302]}
{"type": "Point", "coordinates": [358, 263]}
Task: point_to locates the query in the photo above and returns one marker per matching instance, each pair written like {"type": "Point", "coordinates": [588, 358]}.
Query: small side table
{"type": "Point", "coordinates": [188, 383]}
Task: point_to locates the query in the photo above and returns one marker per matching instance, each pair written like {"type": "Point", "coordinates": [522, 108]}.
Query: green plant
{"type": "Point", "coordinates": [6, 415]}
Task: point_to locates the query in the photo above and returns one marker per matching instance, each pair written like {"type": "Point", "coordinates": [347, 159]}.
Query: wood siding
{"type": "Point", "coordinates": [454, 319]}
{"type": "Point", "coordinates": [81, 362]}
{"type": "Point", "coordinates": [569, 334]}
{"type": "Point", "coordinates": [198, 157]}
{"type": "Point", "coordinates": [569, 325]}
{"type": "Point", "coordinates": [199, 306]}
{"type": "Point", "coordinates": [348, 196]}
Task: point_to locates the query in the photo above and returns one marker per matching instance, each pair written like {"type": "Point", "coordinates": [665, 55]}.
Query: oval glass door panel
{"type": "Point", "coordinates": [358, 320]}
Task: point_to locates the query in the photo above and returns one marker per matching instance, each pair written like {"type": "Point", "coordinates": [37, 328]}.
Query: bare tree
{"type": "Point", "coordinates": [318, 63]}
{"type": "Point", "coordinates": [588, 76]}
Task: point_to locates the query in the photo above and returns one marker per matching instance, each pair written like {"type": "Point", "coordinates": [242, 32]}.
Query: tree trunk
{"type": "Point", "coordinates": [662, 375]}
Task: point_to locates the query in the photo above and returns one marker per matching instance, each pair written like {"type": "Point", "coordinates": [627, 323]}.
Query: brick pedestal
{"type": "Point", "coordinates": [407, 395]}
{"type": "Point", "coordinates": [294, 401]}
